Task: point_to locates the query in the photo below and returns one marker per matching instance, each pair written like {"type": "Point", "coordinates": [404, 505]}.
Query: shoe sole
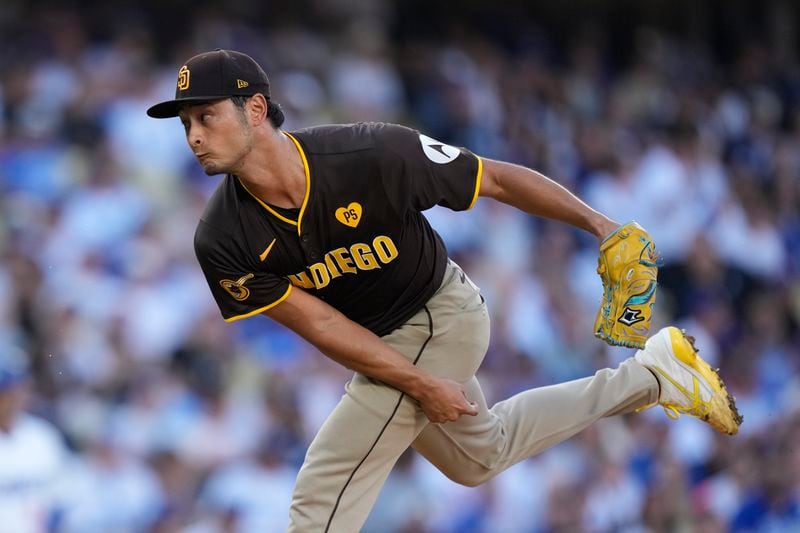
{"type": "Point", "coordinates": [723, 415]}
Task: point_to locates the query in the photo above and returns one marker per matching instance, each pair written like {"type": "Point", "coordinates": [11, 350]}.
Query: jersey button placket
{"type": "Point", "coordinates": [305, 244]}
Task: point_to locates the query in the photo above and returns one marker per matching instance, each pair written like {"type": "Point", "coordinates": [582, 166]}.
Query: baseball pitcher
{"type": "Point", "coordinates": [322, 230]}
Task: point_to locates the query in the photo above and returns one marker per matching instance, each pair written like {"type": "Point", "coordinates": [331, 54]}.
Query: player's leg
{"type": "Point", "coordinates": [474, 449]}
{"type": "Point", "coordinates": [351, 456]}
{"type": "Point", "coordinates": [359, 443]}
{"type": "Point", "coordinates": [668, 371]}
{"type": "Point", "coordinates": [373, 424]}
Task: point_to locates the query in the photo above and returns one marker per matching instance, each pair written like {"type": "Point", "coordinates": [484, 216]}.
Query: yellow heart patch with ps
{"type": "Point", "coordinates": [350, 215]}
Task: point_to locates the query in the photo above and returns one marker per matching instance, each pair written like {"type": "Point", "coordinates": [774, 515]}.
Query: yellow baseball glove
{"type": "Point", "coordinates": [628, 265]}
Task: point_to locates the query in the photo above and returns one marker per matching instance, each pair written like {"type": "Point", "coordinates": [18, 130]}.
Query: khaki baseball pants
{"type": "Point", "coordinates": [359, 443]}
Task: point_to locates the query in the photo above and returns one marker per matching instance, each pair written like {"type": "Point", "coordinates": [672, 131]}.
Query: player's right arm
{"type": "Point", "coordinates": [357, 348]}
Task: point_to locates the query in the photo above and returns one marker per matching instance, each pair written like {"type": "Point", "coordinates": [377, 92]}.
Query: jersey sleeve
{"type": "Point", "coordinates": [239, 289]}
{"type": "Point", "coordinates": [419, 172]}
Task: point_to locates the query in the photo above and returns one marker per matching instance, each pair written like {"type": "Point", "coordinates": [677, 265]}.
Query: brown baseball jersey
{"type": "Point", "coordinates": [359, 240]}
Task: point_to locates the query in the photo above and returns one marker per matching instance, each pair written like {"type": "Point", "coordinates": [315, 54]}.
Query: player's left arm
{"type": "Point", "coordinates": [538, 195]}
{"type": "Point", "coordinates": [628, 272]}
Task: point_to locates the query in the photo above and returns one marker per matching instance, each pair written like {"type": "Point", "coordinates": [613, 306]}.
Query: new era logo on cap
{"type": "Point", "coordinates": [211, 76]}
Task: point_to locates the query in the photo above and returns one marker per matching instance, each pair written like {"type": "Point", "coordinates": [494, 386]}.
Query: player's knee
{"type": "Point", "coordinates": [471, 482]}
{"type": "Point", "coordinates": [469, 477]}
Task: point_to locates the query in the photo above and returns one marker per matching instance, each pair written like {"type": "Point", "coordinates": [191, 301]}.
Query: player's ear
{"type": "Point", "coordinates": [257, 109]}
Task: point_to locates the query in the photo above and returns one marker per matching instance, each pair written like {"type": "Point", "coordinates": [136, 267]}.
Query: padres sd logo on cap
{"type": "Point", "coordinates": [237, 288]}
{"type": "Point", "coordinates": [183, 78]}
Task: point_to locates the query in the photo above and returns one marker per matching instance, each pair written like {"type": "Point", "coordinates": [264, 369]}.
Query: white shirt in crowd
{"type": "Point", "coordinates": [32, 460]}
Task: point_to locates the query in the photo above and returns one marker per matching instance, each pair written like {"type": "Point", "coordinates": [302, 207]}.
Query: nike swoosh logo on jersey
{"type": "Point", "coordinates": [264, 254]}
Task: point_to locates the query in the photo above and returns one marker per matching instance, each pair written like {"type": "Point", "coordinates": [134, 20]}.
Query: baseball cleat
{"type": "Point", "coordinates": [687, 383]}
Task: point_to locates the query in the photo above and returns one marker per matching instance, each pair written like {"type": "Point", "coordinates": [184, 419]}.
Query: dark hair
{"type": "Point", "coordinates": [274, 111]}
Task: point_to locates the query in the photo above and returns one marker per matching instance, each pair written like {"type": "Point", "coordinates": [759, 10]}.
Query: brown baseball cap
{"type": "Point", "coordinates": [211, 76]}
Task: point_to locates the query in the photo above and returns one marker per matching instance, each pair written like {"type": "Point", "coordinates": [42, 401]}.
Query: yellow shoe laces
{"type": "Point", "coordinates": [698, 407]}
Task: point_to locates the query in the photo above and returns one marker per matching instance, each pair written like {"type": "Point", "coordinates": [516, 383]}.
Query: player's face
{"type": "Point", "coordinates": [218, 134]}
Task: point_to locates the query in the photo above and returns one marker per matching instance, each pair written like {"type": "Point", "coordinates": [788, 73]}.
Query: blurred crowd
{"type": "Point", "coordinates": [144, 411]}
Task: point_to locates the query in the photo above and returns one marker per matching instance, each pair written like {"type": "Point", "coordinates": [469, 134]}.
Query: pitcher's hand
{"type": "Point", "coordinates": [444, 401]}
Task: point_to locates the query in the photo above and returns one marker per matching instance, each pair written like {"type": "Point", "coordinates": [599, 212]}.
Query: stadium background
{"type": "Point", "coordinates": [682, 115]}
